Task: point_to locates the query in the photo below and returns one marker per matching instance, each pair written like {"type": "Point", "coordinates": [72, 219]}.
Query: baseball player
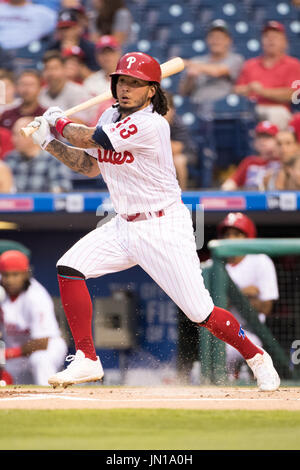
{"type": "Point", "coordinates": [34, 347]}
{"type": "Point", "coordinates": [131, 148]}
{"type": "Point", "coordinates": [254, 274]}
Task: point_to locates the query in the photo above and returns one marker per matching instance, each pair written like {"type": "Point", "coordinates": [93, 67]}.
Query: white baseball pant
{"type": "Point", "coordinates": [164, 247]}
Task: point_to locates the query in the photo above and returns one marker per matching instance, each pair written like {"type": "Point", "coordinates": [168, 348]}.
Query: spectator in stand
{"type": "Point", "coordinates": [61, 92]}
{"type": "Point", "coordinates": [184, 152]}
{"type": "Point", "coordinates": [251, 171]}
{"type": "Point", "coordinates": [111, 18]}
{"type": "Point", "coordinates": [9, 97]}
{"type": "Point", "coordinates": [295, 124]}
{"type": "Point", "coordinates": [108, 53]}
{"type": "Point", "coordinates": [76, 69]}
{"type": "Point", "coordinates": [6, 178]}
{"type": "Point", "coordinates": [293, 173]}
{"type": "Point", "coordinates": [6, 144]}
{"type": "Point", "coordinates": [288, 148]}
{"type": "Point", "coordinates": [69, 33]}
{"type": "Point", "coordinates": [22, 22]}
{"type": "Point", "coordinates": [211, 77]}
{"type": "Point", "coordinates": [268, 79]}
{"type": "Point", "coordinates": [254, 275]}
{"type": "Point", "coordinates": [28, 88]}
{"type": "Point", "coordinates": [33, 169]}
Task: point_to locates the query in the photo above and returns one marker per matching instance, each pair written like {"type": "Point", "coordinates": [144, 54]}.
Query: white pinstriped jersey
{"type": "Point", "coordinates": [139, 173]}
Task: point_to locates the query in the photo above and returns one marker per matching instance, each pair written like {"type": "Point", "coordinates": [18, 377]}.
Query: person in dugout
{"type": "Point", "coordinates": [34, 347]}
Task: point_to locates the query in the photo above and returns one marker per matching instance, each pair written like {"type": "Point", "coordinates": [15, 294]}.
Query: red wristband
{"type": "Point", "coordinates": [11, 353]}
{"type": "Point", "coordinates": [61, 124]}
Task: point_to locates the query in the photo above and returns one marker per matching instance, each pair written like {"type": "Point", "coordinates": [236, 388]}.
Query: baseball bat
{"type": "Point", "coordinates": [168, 68]}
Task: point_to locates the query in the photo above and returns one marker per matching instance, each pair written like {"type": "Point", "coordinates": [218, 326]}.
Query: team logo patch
{"type": "Point", "coordinates": [131, 60]}
{"type": "Point", "coordinates": [241, 332]}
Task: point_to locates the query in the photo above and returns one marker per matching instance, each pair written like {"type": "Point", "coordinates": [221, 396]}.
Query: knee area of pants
{"type": "Point", "coordinates": [64, 270]}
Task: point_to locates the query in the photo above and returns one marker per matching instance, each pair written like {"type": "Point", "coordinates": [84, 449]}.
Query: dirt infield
{"type": "Point", "coordinates": [101, 397]}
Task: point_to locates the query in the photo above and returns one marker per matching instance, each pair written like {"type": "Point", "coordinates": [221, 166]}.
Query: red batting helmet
{"type": "Point", "coordinates": [13, 260]}
{"type": "Point", "coordinates": [239, 221]}
{"type": "Point", "coordinates": [137, 65]}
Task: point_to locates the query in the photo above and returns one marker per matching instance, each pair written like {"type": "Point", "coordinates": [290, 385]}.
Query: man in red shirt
{"type": "Point", "coordinates": [295, 125]}
{"type": "Point", "coordinates": [28, 88]}
{"type": "Point", "coordinates": [268, 78]}
{"type": "Point", "coordinates": [251, 171]}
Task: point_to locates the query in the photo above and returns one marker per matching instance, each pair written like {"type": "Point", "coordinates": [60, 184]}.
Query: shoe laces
{"type": "Point", "coordinates": [72, 358]}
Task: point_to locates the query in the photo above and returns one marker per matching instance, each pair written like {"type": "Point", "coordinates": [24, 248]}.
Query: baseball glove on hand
{"type": "Point", "coordinates": [53, 114]}
{"type": "Point", "coordinates": [42, 135]}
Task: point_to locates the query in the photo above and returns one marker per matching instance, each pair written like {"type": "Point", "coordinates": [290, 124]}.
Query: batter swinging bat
{"type": "Point", "coordinates": [168, 68]}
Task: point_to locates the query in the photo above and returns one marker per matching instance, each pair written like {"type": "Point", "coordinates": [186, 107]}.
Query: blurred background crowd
{"type": "Point", "coordinates": [234, 111]}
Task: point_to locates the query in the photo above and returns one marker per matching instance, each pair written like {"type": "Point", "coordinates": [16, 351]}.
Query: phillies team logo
{"type": "Point", "coordinates": [131, 60]}
{"type": "Point", "coordinates": [116, 158]}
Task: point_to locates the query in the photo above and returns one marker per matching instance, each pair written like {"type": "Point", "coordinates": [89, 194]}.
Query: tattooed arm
{"type": "Point", "coordinates": [80, 135]}
{"type": "Point", "coordinates": [75, 158]}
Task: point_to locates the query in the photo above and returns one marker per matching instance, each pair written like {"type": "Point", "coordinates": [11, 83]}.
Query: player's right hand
{"type": "Point", "coordinates": [53, 114]}
{"type": "Point", "coordinates": [42, 135]}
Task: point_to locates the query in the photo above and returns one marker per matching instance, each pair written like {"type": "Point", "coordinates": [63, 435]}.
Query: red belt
{"type": "Point", "coordinates": [142, 215]}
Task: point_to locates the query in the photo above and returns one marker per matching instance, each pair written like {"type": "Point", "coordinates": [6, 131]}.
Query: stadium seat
{"type": "Point", "coordinates": [249, 48]}
{"type": "Point", "coordinates": [30, 56]}
{"type": "Point", "coordinates": [293, 29]}
{"type": "Point", "coordinates": [183, 32]}
{"type": "Point", "coordinates": [277, 11]}
{"type": "Point", "coordinates": [233, 105]}
{"type": "Point", "coordinates": [168, 14]}
{"type": "Point", "coordinates": [231, 11]}
{"type": "Point", "coordinates": [187, 50]}
{"type": "Point", "coordinates": [242, 30]}
{"type": "Point", "coordinates": [234, 120]}
{"type": "Point", "coordinates": [201, 131]}
{"type": "Point", "coordinates": [154, 48]}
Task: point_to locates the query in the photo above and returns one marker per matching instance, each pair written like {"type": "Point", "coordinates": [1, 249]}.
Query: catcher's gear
{"type": "Point", "coordinates": [138, 65]}
{"type": "Point", "coordinates": [239, 221]}
{"type": "Point", "coordinates": [42, 135]}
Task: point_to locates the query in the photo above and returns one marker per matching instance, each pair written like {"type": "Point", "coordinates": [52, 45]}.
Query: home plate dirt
{"type": "Point", "coordinates": [102, 397]}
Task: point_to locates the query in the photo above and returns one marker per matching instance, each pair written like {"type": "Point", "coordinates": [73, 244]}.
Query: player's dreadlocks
{"type": "Point", "coordinates": [159, 100]}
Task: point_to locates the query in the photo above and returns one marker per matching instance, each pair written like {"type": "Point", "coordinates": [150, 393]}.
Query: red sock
{"type": "Point", "coordinates": [78, 308]}
{"type": "Point", "coordinates": [224, 326]}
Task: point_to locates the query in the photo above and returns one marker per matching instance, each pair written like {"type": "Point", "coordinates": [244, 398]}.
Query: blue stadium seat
{"type": "Point", "coordinates": [278, 10]}
{"type": "Point", "coordinates": [234, 120]}
{"type": "Point", "coordinates": [168, 14]}
{"type": "Point", "coordinates": [187, 30]}
{"type": "Point", "coordinates": [231, 11]}
{"type": "Point", "coordinates": [154, 48]}
{"type": "Point", "coordinates": [249, 48]}
{"type": "Point", "coordinates": [189, 49]}
{"type": "Point", "coordinates": [233, 105]}
{"type": "Point", "coordinates": [171, 84]}
{"type": "Point", "coordinates": [242, 30]}
{"type": "Point", "coordinates": [30, 57]}
{"type": "Point", "coordinates": [293, 29]}
{"type": "Point", "coordinates": [201, 131]}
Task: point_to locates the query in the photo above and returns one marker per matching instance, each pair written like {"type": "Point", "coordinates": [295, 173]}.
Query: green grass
{"type": "Point", "coordinates": [148, 429]}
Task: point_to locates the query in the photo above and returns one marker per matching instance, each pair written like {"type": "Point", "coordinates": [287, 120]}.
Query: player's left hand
{"type": "Point", "coordinates": [42, 135]}
{"type": "Point", "coordinates": [53, 114]}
